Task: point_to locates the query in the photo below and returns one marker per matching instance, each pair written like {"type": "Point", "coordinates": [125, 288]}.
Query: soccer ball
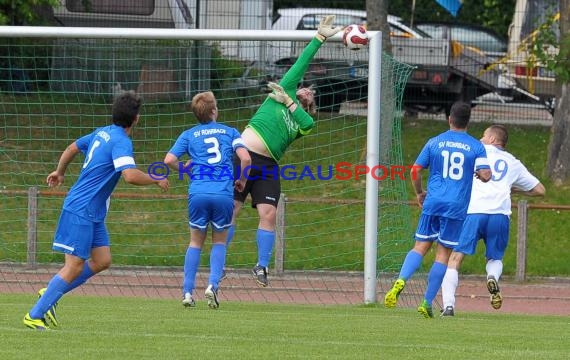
{"type": "Point", "coordinates": [355, 37]}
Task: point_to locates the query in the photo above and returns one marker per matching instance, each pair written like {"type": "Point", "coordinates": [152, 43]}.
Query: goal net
{"type": "Point", "coordinates": [55, 88]}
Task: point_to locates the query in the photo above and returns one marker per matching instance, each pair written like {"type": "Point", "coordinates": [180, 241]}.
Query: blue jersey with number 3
{"type": "Point", "coordinates": [452, 159]}
{"type": "Point", "coordinates": [210, 147]}
{"type": "Point", "coordinates": [108, 151]}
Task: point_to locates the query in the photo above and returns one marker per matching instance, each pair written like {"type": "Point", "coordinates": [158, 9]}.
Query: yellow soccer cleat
{"type": "Point", "coordinates": [426, 310]}
{"type": "Point", "coordinates": [50, 314]}
{"type": "Point", "coordinates": [496, 297]}
{"type": "Point", "coordinates": [36, 324]}
{"type": "Point", "coordinates": [391, 298]}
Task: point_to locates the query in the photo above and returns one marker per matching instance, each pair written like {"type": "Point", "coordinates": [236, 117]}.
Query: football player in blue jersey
{"type": "Point", "coordinates": [210, 146]}
{"type": "Point", "coordinates": [453, 158]}
{"type": "Point", "coordinates": [81, 233]}
{"type": "Point", "coordinates": [488, 217]}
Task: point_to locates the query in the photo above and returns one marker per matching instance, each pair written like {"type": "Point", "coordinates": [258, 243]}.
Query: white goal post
{"type": "Point", "coordinates": [373, 109]}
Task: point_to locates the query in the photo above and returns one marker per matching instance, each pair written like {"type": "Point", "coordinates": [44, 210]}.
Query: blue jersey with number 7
{"type": "Point", "coordinates": [452, 159]}
{"type": "Point", "coordinates": [108, 151]}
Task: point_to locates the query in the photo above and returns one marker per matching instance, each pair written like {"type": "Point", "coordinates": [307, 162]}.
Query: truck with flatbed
{"type": "Point", "coordinates": [444, 71]}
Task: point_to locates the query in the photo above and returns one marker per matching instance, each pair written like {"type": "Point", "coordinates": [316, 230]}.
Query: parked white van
{"type": "Point", "coordinates": [139, 14]}
{"type": "Point", "coordinates": [309, 18]}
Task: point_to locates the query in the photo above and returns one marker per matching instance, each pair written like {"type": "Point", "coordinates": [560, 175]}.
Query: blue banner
{"type": "Point", "coordinates": [452, 6]}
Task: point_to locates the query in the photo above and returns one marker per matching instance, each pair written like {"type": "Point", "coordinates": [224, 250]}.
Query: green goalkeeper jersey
{"type": "Point", "coordinates": [273, 122]}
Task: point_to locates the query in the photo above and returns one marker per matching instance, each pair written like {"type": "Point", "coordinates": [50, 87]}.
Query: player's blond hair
{"type": "Point", "coordinates": [306, 96]}
{"type": "Point", "coordinates": [204, 106]}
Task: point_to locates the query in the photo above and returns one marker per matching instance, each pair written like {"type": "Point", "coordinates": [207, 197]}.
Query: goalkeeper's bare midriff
{"type": "Point", "coordinates": [254, 143]}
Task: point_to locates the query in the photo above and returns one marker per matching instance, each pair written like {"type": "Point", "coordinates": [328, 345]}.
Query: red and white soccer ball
{"type": "Point", "coordinates": [355, 37]}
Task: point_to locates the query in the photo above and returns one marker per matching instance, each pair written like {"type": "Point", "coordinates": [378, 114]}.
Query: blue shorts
{"type": "Point", "coordinates": [77, 236]}
{"type": "Point", "coordinates": [445, 230]}
{"type": "Point", "coordinates": [492, 228]}
{"type": "Point", "coordinates": [204, 209]}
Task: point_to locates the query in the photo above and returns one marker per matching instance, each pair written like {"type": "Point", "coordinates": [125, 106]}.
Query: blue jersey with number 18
{"type": "Point", "coordinates": [452, 159]}
{"type": "Point", "coordinates": [210, 147]}
{"type": "Point", "coordinates": [108, 151]}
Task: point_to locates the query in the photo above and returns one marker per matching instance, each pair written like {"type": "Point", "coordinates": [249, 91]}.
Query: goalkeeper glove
{"type": "Point", "coordinates": [326, 30]}
{"type": "Point", "coordinates": [279, 94]}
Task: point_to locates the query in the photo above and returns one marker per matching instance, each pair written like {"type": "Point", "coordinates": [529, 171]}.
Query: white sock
{"type": "Point", "coordinates": [494, 268]}
{"type": "Point", "coordinates": [448, 287]}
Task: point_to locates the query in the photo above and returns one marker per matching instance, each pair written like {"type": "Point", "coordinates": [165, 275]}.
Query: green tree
{"type": "Point", "coordinates": [494, 14]}
{"type": "Point", "coordinates": [558, 166]}
{"type": "Point", "coordinates": [26, 12]}
{"type": "Point", "coordinates": [553, 51]}
{"type": "Point", "coordinates": [15, 58]}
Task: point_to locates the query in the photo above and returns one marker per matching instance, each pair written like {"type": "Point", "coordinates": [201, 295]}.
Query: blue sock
{"type": "Point", "coordinates": [191, 263]}
{"type": "Point", "coordinates": [435, 278]}
{"type": "Point", "coordinates": [54, 292]}
{"type": "Point", "coordinates": [411, 263]}
{"type": "Point", "coordinates": [265, 240]}
{"type": "Point", "coordinates": [230, 237]}
{"type": "Point", "coordinates": [217, 260]}
{"type": "Point", "coordinates": [81, 279]}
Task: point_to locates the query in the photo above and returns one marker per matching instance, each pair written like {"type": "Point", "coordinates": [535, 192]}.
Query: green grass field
{"type": "Point", "coordinates": [142, 328]}
{"type": "Point", "coordinates": [319, 236]}
{"type": "Point", "coordinates": [129, 328]}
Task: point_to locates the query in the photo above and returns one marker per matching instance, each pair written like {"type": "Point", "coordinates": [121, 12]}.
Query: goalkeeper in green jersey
{"type": "Point", "coordinates": [282, 118]}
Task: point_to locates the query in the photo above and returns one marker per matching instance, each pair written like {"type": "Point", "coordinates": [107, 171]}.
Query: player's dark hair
{"type": "Point", "coordinates": [460, 114]}
{"type": "Point", "coordinates": [501, 134]}
{"type": "Point", "coordinates": [126, 107]}
{"type": "Point", "coordinates": [203, 104]}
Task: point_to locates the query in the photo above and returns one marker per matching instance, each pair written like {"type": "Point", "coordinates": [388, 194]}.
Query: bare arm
{"type": "Point", "coordinates": [56, 177]}
{"type": "Point", "coordinates": [416, 176]}
{"type": "Point", "coordinates": [172, 161]}
{"type": "Point", "coordinates": [245, 159]}
{"type": "Point", "coordinates": [484, 175]}
{"type": "Point", "coordinates": [538, 190]}
{"type": "Point", "coordinates": [136, 177]}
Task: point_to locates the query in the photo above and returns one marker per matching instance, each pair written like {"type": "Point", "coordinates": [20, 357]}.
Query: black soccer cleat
{"type": "Point", "coordinates": [260, 275]}
{"type": "Point", "coordinates": [448, 311]}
